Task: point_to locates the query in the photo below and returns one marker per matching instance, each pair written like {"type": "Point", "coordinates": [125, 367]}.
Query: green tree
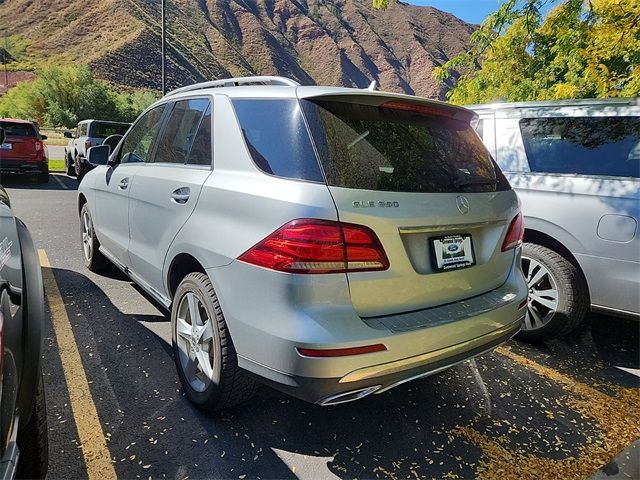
{"type": "Point", "coordinates": [579, 50]}
{"type": "Point", "coordinates": [63, 96]}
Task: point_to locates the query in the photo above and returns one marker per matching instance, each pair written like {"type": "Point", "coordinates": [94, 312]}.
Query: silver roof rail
{"type": "Point", "coordinates": [237, 82]}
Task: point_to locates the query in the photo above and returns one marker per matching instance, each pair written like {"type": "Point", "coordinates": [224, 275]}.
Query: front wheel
{"type": "Point", "coordinates": [558, 295]}
{"type": "Point", "coordinates": [93, 259]}
{"type": "Point", "coordinates": [202, 348]}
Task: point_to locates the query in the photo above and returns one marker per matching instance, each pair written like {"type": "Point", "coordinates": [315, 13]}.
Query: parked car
{"type": "Point", "coordinates": [331, 242]}
{"type": "Point", "coordinates": [575, 165]}
{"type": "Point", "coordinates": [23, 429]}
{"type": "Point", "coordinates": [88, 133]}
{"type": "Point", "coordinates": [23, 150]}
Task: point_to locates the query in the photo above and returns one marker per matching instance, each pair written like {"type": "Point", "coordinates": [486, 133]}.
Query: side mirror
{"type": "Point", "coordinates": [68, 134]}
{"type": "Point", "coordinates": [1, 136]}
{"type": "Point", "coordinates": [99, 155]}
{"type": "Point", "coordinates": [43, 137]}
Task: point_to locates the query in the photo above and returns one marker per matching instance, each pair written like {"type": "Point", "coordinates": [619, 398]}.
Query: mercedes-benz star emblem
{"type": "Point", "coordinates": [463, 204]}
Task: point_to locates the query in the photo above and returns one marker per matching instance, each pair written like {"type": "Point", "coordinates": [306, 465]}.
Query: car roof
{"type": "Point", "coordinates": [16, 120]}
{"type": "Point", "coordinates": [582, 102]}
{"type": "Point", "coordinates": [103, 121]}
{"type": "Point", "coordinates": [280, 87]}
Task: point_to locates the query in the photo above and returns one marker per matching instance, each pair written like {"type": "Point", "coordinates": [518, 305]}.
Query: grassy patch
{"type": "Point", "coordinates": [56, 165]}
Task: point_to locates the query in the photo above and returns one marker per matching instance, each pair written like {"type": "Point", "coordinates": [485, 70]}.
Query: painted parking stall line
{"type": "Point", "coordinates": [62, 184]}
{"type": "Point", "coordinates": [94, 447]}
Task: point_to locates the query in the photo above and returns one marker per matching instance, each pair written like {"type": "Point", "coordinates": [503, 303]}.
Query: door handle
{"type": "Point", "coordinates": [181, 195]}
{"type": "Point", "coordinates": [124, 183]}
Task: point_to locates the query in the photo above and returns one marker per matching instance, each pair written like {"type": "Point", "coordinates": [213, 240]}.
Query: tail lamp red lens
{"type": "Point", "coordinates": [38, 145]}
{"type": "Point", "coordinates": [319, 246]}
{"type": "Point", "coordinates": [515, 234]}
{"type": "Point", "coordinates": [340, 352]}
{"type": "Point", "coordinates": [87, 144]}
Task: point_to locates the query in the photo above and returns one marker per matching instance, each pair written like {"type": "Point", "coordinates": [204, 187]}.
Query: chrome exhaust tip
{"type": "Point", "coordinates": [350, 396]}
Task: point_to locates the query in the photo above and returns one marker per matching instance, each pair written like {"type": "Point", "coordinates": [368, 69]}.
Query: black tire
{"type": "Point", "coordinates": [94, 260]}
{"type": "Point", "coordinates": [71, 169]}
{"type": "Point", "coordinates": [230, 386]}
{"type": "Point", "coordinates": [43, 177]}
{"type": "Point", "coordinates": [572, 294]}
{"type": "Point", "coordinates": [33, 440]}
{"type": "Point", "coordinates": [83, 170]}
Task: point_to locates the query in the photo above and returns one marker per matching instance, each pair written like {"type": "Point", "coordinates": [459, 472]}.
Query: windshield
{"type": "Point", "coordinates": [394, 149]}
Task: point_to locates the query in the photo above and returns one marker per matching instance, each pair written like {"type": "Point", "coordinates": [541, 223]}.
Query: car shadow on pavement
{"type": "Point", "coordinates": [57, 181]}
{"type": "Point", "coordinates": [424, 428]}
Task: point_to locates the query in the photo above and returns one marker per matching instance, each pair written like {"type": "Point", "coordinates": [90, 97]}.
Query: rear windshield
{"type": "Point", "coordinates": [18, 129]}
{"type": "Point", "coordinates": [608, 146]}
{"type": "Point", "coordinates": [104, 130]}
{"type": "Point", "coordinates": [374, 148]}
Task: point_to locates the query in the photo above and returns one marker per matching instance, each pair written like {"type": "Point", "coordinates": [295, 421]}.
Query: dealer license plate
{"type": "Point", "coordinates": [452, 251]}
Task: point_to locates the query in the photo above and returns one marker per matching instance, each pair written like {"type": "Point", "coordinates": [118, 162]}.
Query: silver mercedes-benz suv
{"type": "Point", "coordinates": [331, 242]}
{"type": "Point", "coordinates": [575, 165]}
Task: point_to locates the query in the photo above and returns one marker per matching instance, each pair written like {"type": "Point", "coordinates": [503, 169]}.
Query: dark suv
{"type": "Point", "coordinates": [23, 150]}
{"type": "Point", "coordinates": [23, 417]}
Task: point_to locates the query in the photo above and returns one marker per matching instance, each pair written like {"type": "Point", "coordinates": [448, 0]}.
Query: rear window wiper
{"type": "Point", "coordinates": [474, 180]}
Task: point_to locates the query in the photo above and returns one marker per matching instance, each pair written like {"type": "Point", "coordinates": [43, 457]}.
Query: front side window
{"type": "Point", "coordinates": [607, 146]}
{"type": "Point", "coordinates": [82, 130]}
{"type": "Point", "coordinates": [400, 149]}
{"type": "Point", "coordinates": [180, 131]}
{"type": "Point", "coordinates": [137, 145]}
{"type": "Point", "coordinates": [277, 138]}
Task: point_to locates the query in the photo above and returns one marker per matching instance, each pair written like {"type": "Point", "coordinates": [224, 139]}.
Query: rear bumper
{"type": "Point", "coordinates": [383, 377]}
{"type": "Point", "coordinates": [23, 166]}
{"type": "Point", "coordinates": [270, 315]}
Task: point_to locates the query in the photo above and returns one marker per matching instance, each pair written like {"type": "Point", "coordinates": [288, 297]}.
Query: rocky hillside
{"type": "Point", "coordinates": [335, 42]}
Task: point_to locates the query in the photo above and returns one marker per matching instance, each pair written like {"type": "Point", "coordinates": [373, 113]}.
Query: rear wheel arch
{"type": "Point", "coordinates": [182, 265]}
{"type": "Point", "coordinates": [540, 238]}
{"type": "Point", "coordinates": [81, 201]}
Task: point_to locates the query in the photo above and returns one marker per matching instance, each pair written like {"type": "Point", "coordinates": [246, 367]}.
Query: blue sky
{"type": "Point", "coordinates": [472, 11]}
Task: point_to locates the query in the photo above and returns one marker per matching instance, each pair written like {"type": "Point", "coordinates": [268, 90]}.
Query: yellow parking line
{"type": "Point", "coordinates": [94, 447]}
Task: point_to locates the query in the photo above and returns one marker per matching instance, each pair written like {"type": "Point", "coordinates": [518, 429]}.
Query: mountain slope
{"type": "Point", "coordinates": [335, 42]}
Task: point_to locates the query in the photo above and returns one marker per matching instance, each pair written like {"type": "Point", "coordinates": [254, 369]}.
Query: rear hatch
{"type": "Point", "coordinates": [417, 174]}
{"type": "Point", "coordinates": [21, 142]}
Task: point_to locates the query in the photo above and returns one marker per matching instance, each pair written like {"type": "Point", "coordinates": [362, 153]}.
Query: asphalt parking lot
{"type": "Point", "coordinates": [560, 410]}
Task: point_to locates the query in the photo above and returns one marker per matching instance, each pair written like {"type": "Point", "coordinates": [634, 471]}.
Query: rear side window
{"type": "Point", "coordinates": [608, 146]}
{"type": "Point", "coordinates": [277, 138]}
{"type": "Point", "coordinates": [374, 148]}
{"type": "Point", "coordinates": [18, 129]}
{"type": "Point", "coordinates": [201, 151]}
{"type": "Point", "coordinates": [180, 131]}
{"type": "Point", "coordinates": [104, 130]}
{"type": "Point", "coordinates": [137, 145]}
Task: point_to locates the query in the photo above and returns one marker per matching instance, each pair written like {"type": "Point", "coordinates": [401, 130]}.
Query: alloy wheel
{"type": "Point", "coordinates": [87, 235]}
{"type": "Point", "coordinates": [194, 337]}
{"type": "Point", "coordinates": [542, 303]}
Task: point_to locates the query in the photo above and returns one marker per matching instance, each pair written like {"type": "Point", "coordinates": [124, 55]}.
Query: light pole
{"type": "Point", "coordinates": [164, 83]}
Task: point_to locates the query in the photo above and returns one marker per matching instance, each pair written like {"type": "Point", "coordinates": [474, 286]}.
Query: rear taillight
{"type": "Point", "coordinates": [515, 234]}
{"type": "Point", "coordinates": [39, 145]}
{"type": "Point", "coordinates": [87, 145]}
{"type": "Point", "coordinates": [319, 246]}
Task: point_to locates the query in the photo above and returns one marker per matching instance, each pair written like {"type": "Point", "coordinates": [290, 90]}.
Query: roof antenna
{"type": "Point", "coordinates": [373, 86]}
